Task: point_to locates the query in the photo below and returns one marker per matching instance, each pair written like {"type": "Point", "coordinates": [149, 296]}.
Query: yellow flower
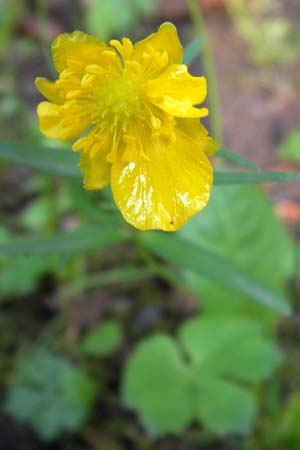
{"type": "Point", "coordinates": [134, 107]}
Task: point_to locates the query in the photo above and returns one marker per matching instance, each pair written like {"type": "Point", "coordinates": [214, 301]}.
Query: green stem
{"type": "Point", "coordinates": [44, 38]}
{"type": "Point", "coordinates": [210, 72]}
{"type": "Point", "coordinates": [123, 275]}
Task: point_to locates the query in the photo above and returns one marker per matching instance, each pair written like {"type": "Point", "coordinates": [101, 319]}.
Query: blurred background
{"type": "Point", "coordinates": [70, 322]}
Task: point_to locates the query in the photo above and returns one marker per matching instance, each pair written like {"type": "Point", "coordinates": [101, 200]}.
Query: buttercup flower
{"type": "Point", "coordinates": [132, 110]}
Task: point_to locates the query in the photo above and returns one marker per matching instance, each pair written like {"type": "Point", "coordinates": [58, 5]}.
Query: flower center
{"type": "Point", "coordinates": [119, 100]}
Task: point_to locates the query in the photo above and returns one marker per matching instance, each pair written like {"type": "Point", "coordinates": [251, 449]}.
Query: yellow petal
{"type": "Point", "coordinates": [195, 129]}
{"type": "Point", "coordinates": [48, 90]}
{"type": "Point", "coordinates": [165, 39]}
{"type": "Point", "coordinates": [176, 92]}
{"type": "Point", "coordinates": [163, 190]}
{"type": "Point", "coordinates": [76, 46]}
{"type": "Point", "coordinates": [52, 124]}
{"type": "Point", "coordinates": [96, 170]}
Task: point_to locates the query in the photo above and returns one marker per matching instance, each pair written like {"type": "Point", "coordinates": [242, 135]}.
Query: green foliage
{"type": "Point", "coordinates": [187, 254]}
{"type": "Point", "coordinates": [289, 430]}
{"type": "Point", "coordinates": [102, 340]}
{"type": "Point", "coordinates": [239, 224]}
{"type": "Point", "coordinates": [226, 177]}
{"type": "Point", "coordinates": [103, 21]}
{"type": "Point", "coordinates": [235, 158]}
{"type": "Point", "coordinates": [50, 394]}
{"type": "Point", "coordinates": [276, 41]}
{"type": "Point", "coordinates": [290, 147]}
{"type": "Point", "coordinates": [156, 383]}
{"type": "Point", "coordinates": [39, 215]}
{"type": "Point", "coordinates": [62, 162]}
{"type": "Point", "coordinates": [11, 12]}
{"type": "Point", "coordinates": [52, 161]}
{"type": "Point", "coordinates": [169, 391]}
{"type": "Point", "coordinates": [81, 240]}
{"type": "Point", "coordinates": [192, 50]}
{"type": "Point", "coordinates": [19, 276]}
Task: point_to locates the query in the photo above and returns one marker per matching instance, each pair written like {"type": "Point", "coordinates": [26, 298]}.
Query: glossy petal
{"type": "Point", "coordinates": [77, 46]}
{"type": "Point", "coordinates": [176, 92]}
{"type": "Point", "coordinates": [165, 39]}
{"type": "Point", "coordinates": [137, 105]}
{"type": "Point", "coordinates": [52, 124]}
{"type": "Point", "coordinates": [195, 129]}
{"type": "Point", "coordinates": [164, 188]}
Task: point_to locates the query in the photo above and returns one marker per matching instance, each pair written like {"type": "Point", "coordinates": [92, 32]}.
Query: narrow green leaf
{"type": "Point", "coordinates": [84, 239]}
{"type": "Point", "coordinates": [192, 50]}
{"type": "Point", "coordinates": [233, 157]}
{"type": "Point", "coordinates": [214, 267]}
{"type": "Point", "coordinates": [218, 229]}
{"type": "Point", "coordinates": [125, 274]}
{"type": "Point", "coordinates": [63, 162]}
{"type": "Point", "coordinates": [224, 177]}
{"type": "Point", "coordinates": [52, 161]}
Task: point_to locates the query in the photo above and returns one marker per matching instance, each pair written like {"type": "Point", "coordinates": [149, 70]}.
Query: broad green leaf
{"type": "Point", "coordinates": [172, 382]}
{"type": "Point", "coordinates": [227, 178]}
{"type": "Point", "coordinates": [224, 407]}
{"type": "Point", "coordinates": [235, 158]}
{"type": "Point", "coordinates": [190, 256]}
{"type": "Point", "coordinates": [102, 340]}
{"type": "Point", "coordinates": [50, 394]}
{"type": "Point", "coordinates": [156, 383]}
{"type": "Point", "coordinates": [239, 224]}
{"type": "Point", "coordinates": [233, 347]}
{"type": "Point", "coordinates": [192, 50]}
{"type": "Point", "coordinates": [52, 161]}
{"type": "Point", "coordinates": [81, 240]}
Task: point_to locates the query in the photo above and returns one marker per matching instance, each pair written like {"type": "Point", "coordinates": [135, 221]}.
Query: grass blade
{"type": "Point", "coordinates": [235, 158]}
{"type": "Point", "coordinates": [192, 50]}
{"type": "Point", "coordinates": [52, 161]}
{"type": "Point", "coordinates": [224, 177]}
{"type": "Point", "coordinates": [63, 162]}
{"type": "Point", "coordinates": [82, 240]}
{"type": "Point", "coordinates": [188, 256]}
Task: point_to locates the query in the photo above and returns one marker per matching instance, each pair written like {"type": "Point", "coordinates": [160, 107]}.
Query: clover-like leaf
{"type": "Point", "coordinates": [203, 379]}
{"type": "Point", "coordinates": [230, 346]}
{"type": "Point", "coordinates": [156, 383]}
{"type": "Point", "coordinates": [224, 407]}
